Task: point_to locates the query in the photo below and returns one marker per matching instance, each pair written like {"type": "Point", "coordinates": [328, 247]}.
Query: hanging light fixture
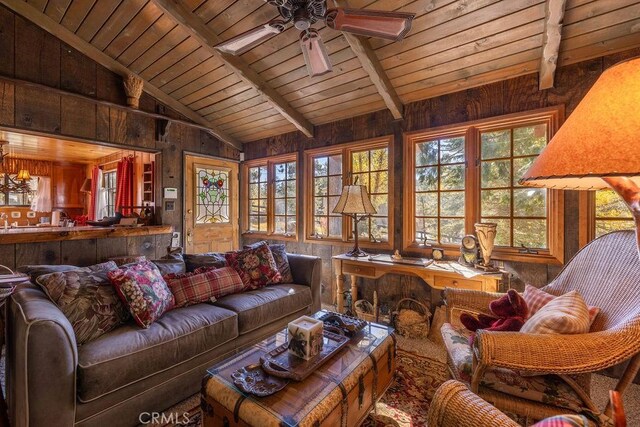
{"type": "Point", "coordinates": [20, 184]}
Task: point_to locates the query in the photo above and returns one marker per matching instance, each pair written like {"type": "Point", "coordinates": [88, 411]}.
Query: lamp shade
{"type": "Point", "coordinates": [354, 200]}
{"type": "Point", "coordinates": [86, 186]}
{"type": "Point", "coordinates": [601, 138]}
{"type": "Point", "coordinates": [23, 175]}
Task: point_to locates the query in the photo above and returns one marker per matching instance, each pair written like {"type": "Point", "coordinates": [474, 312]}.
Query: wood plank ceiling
{"type": "Point", "coordinates": [453, 45]}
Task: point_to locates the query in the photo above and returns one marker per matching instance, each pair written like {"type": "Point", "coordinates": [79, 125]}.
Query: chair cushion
{"type": "Point", "coordinates": [255, 265]}
{"type": "Point", "coordinates": [548, 389]}
{"type": "Point", "coordinates": [259, 307]}
{"type": "Point", "coordinates": [537, 298]}
{"type": "Point", "coordinates": [566, 314]}
{"type": "Point", "coordinates": [191, 288]}
{"type": "Point", "coordinates": [129, 354]}
{"type": "Point", "coordinates": [143, 290]}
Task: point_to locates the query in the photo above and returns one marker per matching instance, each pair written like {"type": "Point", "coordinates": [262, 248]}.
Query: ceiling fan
{"type": "Point", "coordinates": [304, 13]}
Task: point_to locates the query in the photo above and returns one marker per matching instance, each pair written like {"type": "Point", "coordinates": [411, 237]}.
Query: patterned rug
{"type": "Point", "coordinates": [405, 404]}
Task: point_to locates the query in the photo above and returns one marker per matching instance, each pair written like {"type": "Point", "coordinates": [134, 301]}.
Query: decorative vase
{"type": "Point", "coordinates": [305, 335]}
{"type": "Point", "coordinates": [486, 232]}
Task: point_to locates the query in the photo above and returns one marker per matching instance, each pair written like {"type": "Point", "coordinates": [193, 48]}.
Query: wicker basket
{"type": "Point", "coordinates": [364, 310]}
{"type": "Point", "coordinates": [411, 318]}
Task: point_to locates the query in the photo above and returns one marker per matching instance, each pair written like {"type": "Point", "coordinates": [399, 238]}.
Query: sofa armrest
{"type": "Point", "coordinates": [42, 357]}
{"type": "Point", "coordinates": [307, 270]}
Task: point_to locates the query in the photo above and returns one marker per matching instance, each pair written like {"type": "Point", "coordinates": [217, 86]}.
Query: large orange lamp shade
{"type": "Point", "coordinates": [599, 144]}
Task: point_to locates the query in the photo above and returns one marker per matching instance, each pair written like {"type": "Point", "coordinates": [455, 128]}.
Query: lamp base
{"type": "Point", "coordinates": [357, 253]}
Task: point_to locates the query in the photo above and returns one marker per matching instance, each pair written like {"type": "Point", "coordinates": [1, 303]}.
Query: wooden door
{"type": "Point", "coordinates": [211, 205]}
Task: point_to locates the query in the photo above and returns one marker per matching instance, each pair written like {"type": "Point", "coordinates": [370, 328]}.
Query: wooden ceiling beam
{"type": "Point", "coordinates": [208, 39]}
{"type": "Point", "coordinates": [371, 64]}
{"type": "Point", "coordinates": [551, 42]}
{"type": "Point", "coordinates": [43, 21]}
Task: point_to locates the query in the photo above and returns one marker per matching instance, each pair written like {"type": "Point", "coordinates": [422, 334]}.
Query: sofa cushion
{"type": "Point", "coordinates": [212, 259]}
{"type": "Point", "coordinates": [87, 299]}
{"type": "Point", "coordinates": [192, 288]}
{"type": "Point", "coordinates": [35, 271]}
{"type": "Point", "coordinates": [143, 290]}
{"type": "Point", "coordinates": [129, 354]}
{"type": "Point", "coordinates": [255, 265]}
{"type": "Point", "coordinates": [259, 307]}
{"type": "Point", "coordinates": [170, 266]}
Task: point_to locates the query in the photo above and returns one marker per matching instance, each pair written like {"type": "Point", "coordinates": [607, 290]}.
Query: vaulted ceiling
{"type": "Point", "coordinates": [453, 45]}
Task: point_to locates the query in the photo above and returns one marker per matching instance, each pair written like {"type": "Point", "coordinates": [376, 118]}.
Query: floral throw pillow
{"type": "Point", "coordinates": [279, 252]}
{"type": "Point", "coordinates": [143, 290]}
{"type": "Point", "coordinates": [87, 299]}
{"type": "Point", "coordinates": [256, 266]}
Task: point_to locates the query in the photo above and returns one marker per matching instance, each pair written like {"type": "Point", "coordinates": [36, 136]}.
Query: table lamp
{"type": "Point", "coordinates": [355, 202]}
{"type": "Point", "coordinates": [599, 144]}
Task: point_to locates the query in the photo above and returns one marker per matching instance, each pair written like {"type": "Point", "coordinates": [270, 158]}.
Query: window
{"type": "Point", "coordinates": [18, 199]}
{"type": "Point", "coordinates": [271, 196]}
{"type": "Point", "coordinates": [365, 163]}
{"type": "Point", "coordinates": [109, 186]}
{"type": "Point", "coordinates": [212, 196]}
{"type": "Point", "coordinates": [611, 213]}
{"type": "Point", "coordinates": [468, 173]}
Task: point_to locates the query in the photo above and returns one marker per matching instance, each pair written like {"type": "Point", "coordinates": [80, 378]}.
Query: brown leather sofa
{"type": "Point", "coordinates": [112, 380]}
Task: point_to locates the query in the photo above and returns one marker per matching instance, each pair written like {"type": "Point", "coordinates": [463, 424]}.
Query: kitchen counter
{"type": "Point", "coordinates": [50, 234]}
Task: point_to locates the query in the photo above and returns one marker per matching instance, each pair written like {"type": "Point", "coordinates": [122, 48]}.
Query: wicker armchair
{"type": "Point", "coordinates": [606, 273]}
{"type": "Point", "coordinates": [454, 405]}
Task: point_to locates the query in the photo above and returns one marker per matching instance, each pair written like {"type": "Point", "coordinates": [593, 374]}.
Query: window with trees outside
{"type": "Point", "coordinates": [271, 196]}
{"type": "Point", "coordinates": [364, 163]}
{"type": "Point", "coordinates": [109, 185]}
{"type": "Point", "coordinates": [611, 214]}
{"type": "Point", "coordinates": [468, 173]}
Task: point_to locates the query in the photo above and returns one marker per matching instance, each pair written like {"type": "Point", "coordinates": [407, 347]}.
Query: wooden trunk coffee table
{"type": "Point", "coordinates": [341, 392]}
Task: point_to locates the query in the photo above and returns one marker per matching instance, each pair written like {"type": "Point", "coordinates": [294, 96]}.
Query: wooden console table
{"type": "Point", "coordinates": [438, 275]}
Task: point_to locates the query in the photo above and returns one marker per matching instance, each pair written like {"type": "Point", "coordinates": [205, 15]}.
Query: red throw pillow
{"type": "Point", "coordinates": [255, 265]}
{"type": "Point", "coordinates": [204, 287]}
{"type": "Point", "coordinates": [143, 290]}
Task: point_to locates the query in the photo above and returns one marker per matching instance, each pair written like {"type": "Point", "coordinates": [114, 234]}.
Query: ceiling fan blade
{"type": "Point", "coordinates": [250, 39]}
{"type": "Point", "coordinates": [372, 23]}
{"type": "Point", "coordinates": [315, 53]}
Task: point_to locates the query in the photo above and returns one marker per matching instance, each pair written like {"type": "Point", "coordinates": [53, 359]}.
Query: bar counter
{"type": "Point", "coordinates": [82, 245]}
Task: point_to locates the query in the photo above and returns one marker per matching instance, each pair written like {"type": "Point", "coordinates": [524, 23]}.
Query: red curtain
{"type": "Point", "coordinates": [95, 191]}
{"type": "Point", "coordinates": [124, 185]}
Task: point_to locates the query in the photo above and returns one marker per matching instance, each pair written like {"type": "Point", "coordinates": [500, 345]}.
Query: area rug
{"type": "Point", "coordinates": [405, 404]}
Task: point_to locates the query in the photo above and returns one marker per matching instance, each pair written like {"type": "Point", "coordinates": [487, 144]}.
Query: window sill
{"type": "Point", "coordinates": [498, 254]}
{"type": "Point", "coordinates": [266, 236]}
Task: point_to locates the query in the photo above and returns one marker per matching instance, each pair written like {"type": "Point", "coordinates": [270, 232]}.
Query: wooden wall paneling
{"type": "Point", "coordinates": [8, 256]}
{"type": "Point", "coordinates": [37, 110]}
{"type": "Point", "coordinates": [149, 103]}
{"type": "Point", "coordinates": [7, 104]}
{"type": "Point", "coordinates": [163, 241]}
{"type": "Point", "coordinates": [522, 94]}
{"type": "Point", "coordinates": [573, 82]}
{"type": "Point", "coordinates": [109, 248]}
{"type": "Point", "coordinates": [171, 176]}
{"type": "Point", "coordinates": [484, 101]}
{"type": "Point", "coordinates": [7, 42]}
{"type": "Point", "coordinates": [78, 73]}
{"type": "Point", "coordinates": [79, 252]}
{"type": "Point", "coordinates": [40, 63]}
{"type": "Point", "coordinates": [117, 126]}
{"type": "Point", "coordinates": [78, 118]}
{"type": "Point", "coordinates": [103, 126]}
{"type": "Point", "coordinates": [141, 130]}
{"type": "Point", "coordinates": [142, 245]}
{"type": "Point", "coordinates": [109, 86]}
{"type": "Point", "coordinates": [37, 253]}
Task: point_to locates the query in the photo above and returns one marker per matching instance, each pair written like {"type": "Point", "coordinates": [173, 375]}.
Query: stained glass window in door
{"type": "Point", "coordinates": [212, 196]}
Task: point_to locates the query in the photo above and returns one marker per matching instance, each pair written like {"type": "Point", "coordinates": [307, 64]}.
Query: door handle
{"type": "Point", "coordinates": [189, 236]}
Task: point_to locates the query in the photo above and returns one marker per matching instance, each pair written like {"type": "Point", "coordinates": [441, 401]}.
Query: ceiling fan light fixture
{"type": "Point", "coordinates": [315, 53]}
{"type": "Point", "coordinates": [371, 23]}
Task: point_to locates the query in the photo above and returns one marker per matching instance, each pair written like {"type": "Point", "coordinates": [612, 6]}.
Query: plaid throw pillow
{"type": "Point", "coordinates": [566, 314]}
{"type": "Point", "coordinates": [143, 290]}
{"type": "Point", "coordinates": [256, 266]}
{"type": "Point", "coordinates": [190, 288]}
{"type": "Point", "coordinates": [536, 299]}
